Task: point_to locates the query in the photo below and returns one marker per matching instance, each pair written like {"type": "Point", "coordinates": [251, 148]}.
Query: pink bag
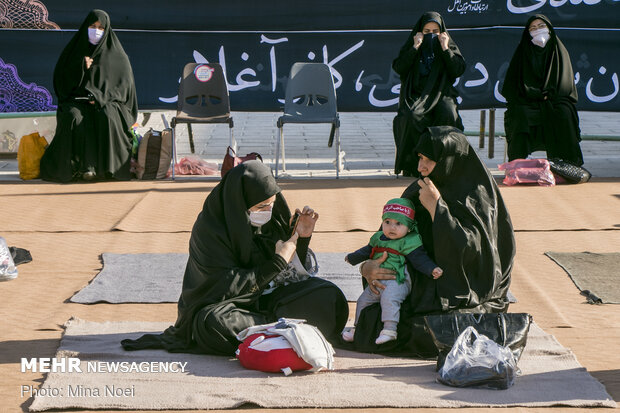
{"type": "Point", "coordinates": [527, 171]}
{"type": "Point", "coordinates": [193, 165]}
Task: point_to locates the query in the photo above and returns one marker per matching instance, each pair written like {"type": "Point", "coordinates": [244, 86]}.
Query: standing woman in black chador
{"type": "Point", "coordinates": [428, 65]}
{"type": "Point", "coordinates": [241, 269]}
{"type": "Point", "coordinates": [541, 96]}
{"type": "Point", "coordinates": [97, 106]}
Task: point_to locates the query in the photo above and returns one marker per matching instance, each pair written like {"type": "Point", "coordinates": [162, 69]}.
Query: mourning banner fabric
{"type": "Point", "coordinates": [324, 14]}
{"type": "Point", "coordinates": [257, 43]}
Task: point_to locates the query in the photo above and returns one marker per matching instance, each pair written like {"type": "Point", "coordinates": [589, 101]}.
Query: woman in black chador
{"type": "Point", "coordinates": [97, 107]}
{"type": "Point", "coordinates": [428, 65]}
{"type": "Point", "coordinates": [541, 96]}
{"type": "Point", "coordinates": [466, 230]}
{"type": "Point", "coordinates": [240, 270]}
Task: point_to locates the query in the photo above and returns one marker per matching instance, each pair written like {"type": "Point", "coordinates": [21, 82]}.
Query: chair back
{"type": "Point", "coordinates": [203, 91]}
{"type": "Point", "coordinates": [310, 92]}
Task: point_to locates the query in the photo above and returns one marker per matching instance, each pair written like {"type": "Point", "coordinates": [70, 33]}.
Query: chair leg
{"type": "Point", "coordinates": [232, 142]}
{"type": "Point", "coordinates": [282, 148]}
{"type": "Point", "coordinates": [491, 133]}
{"type": "Point", "coordinates": [191, 137]}
{"type": "Point", "coordinates": [337, 153]}
{"type": "Point", "coordinates": [278, 151]}
{"type": "Point", "coordinates": [483, 122]}
{"type": "Point", "coordinates": [174, 150]}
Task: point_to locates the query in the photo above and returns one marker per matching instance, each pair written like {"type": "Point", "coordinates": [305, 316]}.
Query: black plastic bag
{"type": "Point", "coordinates": [476, 360]}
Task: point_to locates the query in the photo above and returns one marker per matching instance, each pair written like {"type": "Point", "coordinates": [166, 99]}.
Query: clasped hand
{"type": "Point", "coordinates": [307, 221]}
{"type": "Point", "coordinates": [286, 249]}
{"type": "Point", "coordinates": [429, 195]}
{"type": "Point", "coordinates": [417, 40]}
{"type": "Point", "coordinates": [305, 227]}
{"type": "Point", "coordinates": [373, 273]}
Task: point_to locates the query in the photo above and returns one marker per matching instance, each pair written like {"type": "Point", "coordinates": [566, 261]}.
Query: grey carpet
{"type": "Point", "coordinates": [157, 278]}
{"type": "Point", "coordinates": [551, 376]}
{"type": "Point", "coordinates": [596, 275]}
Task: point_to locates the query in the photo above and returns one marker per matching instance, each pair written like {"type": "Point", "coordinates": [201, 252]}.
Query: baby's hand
{"type": "Point", "coordinates": [346, 259]}
{"type": "Point", "coordinates": [437, 272]}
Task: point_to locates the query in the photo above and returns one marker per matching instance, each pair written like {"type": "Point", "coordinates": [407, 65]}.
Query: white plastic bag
{"type": "Point", "coordinates": [476, 360]}
{"type": "Point", "coordinates": [8, 271]}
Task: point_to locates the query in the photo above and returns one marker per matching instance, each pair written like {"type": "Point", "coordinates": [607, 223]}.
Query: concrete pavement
{"type": "Point", "coordinates": [366, 140]}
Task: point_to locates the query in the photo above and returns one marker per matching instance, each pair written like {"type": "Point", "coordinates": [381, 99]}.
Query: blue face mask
{"type": "Point", "coordinates": [94, 35]}
{"type": "Point", "coordinates": [540, 37]}
{"type": "Point", "coordinates": [259, 218]}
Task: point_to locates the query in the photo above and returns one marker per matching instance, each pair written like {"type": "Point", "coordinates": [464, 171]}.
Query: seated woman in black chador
{"type": "Point", "coordinates": [541, 96]}
{"type": "Point", "coordinates": [97, 107]}
{"type": "Point", "coordinates": [239, 255]}
{"type": "Point", "coordinates": [428, 65]}
{"type": "Point", "coordinates": [465, 229]}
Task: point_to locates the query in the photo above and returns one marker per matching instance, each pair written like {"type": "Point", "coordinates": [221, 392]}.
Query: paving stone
{"type": "Point", "coordinates": [366, 139]}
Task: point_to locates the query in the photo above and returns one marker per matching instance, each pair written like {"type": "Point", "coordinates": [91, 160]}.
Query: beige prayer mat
{"type": "Point", "coordinates": [551, 376]}
{"type": "Point", "coordinates": [593, 206]}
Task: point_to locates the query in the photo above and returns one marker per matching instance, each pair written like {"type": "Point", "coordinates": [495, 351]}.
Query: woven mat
{"type": "Point", "coordinates": [551, 376]}
{"type": "Point", "coordinates": [596, 275]}
{"type": "Point", "coordinates": [157, 278]}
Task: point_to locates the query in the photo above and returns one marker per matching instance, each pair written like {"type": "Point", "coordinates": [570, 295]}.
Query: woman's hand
{"type": "Point", "coordinates": [429, 195]}
{"type": "Point", "coordinates": [417, 40]}
{"type": "Point", "coordinates": [443, 40]}
{"type": "Point", "coordinates": [89, 62]}
{"type": "Point", "coordinates": [286, 249]}
{"type": "Point", "coordinates": [373, 273]}
{"type": "Point", "coordinates": [307, 221]}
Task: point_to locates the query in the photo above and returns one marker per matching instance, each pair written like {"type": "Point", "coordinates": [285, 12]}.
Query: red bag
{"type": "Point", "coordinates": [271, 354]}
{"type": "Point", "coordinates": [231, 159]}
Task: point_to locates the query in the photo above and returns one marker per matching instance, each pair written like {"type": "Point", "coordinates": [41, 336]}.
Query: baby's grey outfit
{"type": "Point", "coordinates": [390, 298]}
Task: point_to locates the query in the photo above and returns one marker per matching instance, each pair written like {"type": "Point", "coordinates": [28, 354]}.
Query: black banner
{"type": "Point", "coordinates": [257, 64]}
{"type": "Point", "coordinates": [358, 39]}
{"type": "Point", "coordinates": [275, 15]}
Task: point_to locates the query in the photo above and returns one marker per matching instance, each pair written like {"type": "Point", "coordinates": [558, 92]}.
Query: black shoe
{"type": "Point", "coordinates": [570, 172]}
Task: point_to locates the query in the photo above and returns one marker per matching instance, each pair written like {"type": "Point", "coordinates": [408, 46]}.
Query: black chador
{"type": "Point", "coordinates": [541, 95]}
{"type": "Point", "coordinates": [427, 97]}
{"type": "Point", "coordinates": [97, 107]}
{"type": "Point", "coordinates": [231, 264]}
{"type": "Point", "coordinates": [471, 238]}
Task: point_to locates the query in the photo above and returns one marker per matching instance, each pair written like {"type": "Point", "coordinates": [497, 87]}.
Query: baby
{"type": "Point", "coordinates": [400, 239]}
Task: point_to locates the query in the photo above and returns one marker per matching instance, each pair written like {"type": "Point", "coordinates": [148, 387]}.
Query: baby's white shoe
{"type": "Point", "coordinates": [385, 336]}
{"type": "Point", "coordinates": [348, 335]}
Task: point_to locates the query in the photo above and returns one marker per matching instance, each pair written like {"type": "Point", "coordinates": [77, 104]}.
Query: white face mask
{"type": "Point", "coordinates": [94, 35]}
{"type": "Point", "coordinates": [540, 37]}
{"type": "Point", "coordinates": [259, 218]}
